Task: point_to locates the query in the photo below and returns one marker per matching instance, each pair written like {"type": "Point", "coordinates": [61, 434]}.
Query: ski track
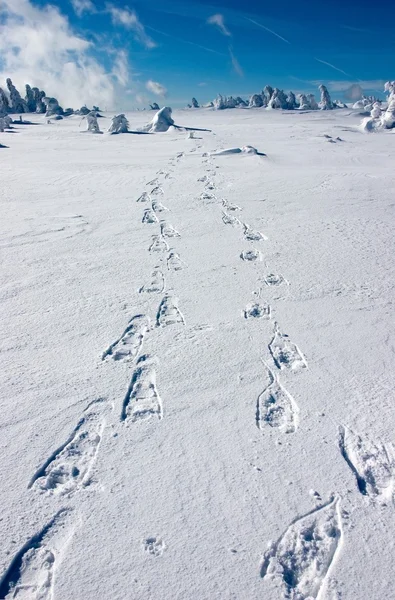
{"type": "Point", "coordinates": [301, 558]}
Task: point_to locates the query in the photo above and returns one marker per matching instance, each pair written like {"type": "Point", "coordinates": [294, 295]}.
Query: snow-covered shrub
{"type": "Point", "coordinates": [17, 105]}
{"type": "Point", "coordinates": [154, 106]}
{"type": "Point", "coordinates": [195, 103]}
{"type": "Point", "coordinates": [326, 102]}
{"type": "Point", "coordinates": [119, 124]}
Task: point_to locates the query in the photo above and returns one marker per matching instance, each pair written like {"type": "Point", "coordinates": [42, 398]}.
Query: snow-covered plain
{"type": "Point", "coordinates": [197, 388]}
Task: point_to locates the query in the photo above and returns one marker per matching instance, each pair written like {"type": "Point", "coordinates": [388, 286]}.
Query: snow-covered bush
{"type": "Point", "coordinates": [119, 124]}
{"type": "Point", "coordinates": [154, 106]}
{"type": "Point", "coordinates": [195, 103]}
{"type": "Point", "coordinates": [17, 105]}
{"type": "Point", "coordinates": [326, 102]}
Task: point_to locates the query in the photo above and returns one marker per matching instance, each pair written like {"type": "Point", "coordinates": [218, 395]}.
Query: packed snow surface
{"type": "Point", "coordinates": [198, 365]}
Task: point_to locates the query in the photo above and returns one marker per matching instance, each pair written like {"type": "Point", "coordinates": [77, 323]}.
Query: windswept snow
{"type": "Point", "coordinates": [198, 357]}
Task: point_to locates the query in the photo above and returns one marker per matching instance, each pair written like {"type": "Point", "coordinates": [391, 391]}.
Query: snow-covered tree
{"type": "Point", "coordinates": [7, 121]}
{"type": "Point", "coordinates": [291, 101]}
{"type": "Point", "coordinates": [93, 125]}
{"type": "Point", "coordinates": [38, 99]}
{"type": "Point", "coordinates": [388, 118]}
{"type": "Point", "coordinates": [119, 124]}
{"type": "Point", "coordinates": [240, 101]}
{"type": "Point", "coordinates": [267, 93]}
{"type": "Point", "coordinates": [29, 99]}
{"type": "Point", "coordinates": [278, 99]}
{"type": "Point", "coordinates": [219, 103]}
{"type": "Point", "coordinates": [17, 105]}
{"type": "Point", "coordinates": [312, 102]}
{"type": "Point", "coordinates": [195, 103]}
{"type": "Point", "coordinates": [4, 102]}
{"type": "Point", "coordinates": [326, 102]}
{"type": "Point", "coordinates": [304, 104]}
{"type": "Point", "coordinates": [52, 107]}
{"type": "Point", "coordinates": [2, 125]}
{"type": "Point", "coordinates": [161, 121]}
{"type": "Point", "coordinates": [154, 106]}
{"type": "Point", "coordinates": [256, 101]}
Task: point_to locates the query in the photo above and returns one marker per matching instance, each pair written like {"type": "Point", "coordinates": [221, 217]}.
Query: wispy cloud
{"type": "Point", "coordinates": [219, 21]}
{"type": "Point", "coordinates": [83, 6]}
{"type": "Point", "coordinates": [182, 41]}
{"type": "Point", "coordinates": [358, 29]}
{"type": "Point", "coordinates": [235, 64]}
{"type": "Point", "coordinates": [128, 18]}
{"type": "Point", "coordinates": [202, 84]}
{"type": "Point", "coordinates": [156, 88]}
{"type": "Point", "coordinates": [267, 29]}
{"type": "Point", "coordinates": [332, 66]}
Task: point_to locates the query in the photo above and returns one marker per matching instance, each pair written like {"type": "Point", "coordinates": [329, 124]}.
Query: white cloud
{"type": "Point", "coordinates": [128, 18]}
{"type": "Point", "coordinates": [38, 46]}
{"type": "Point", "coordinates": [218, 21]}
{"type": "Point", "coordinates": [202, 84]}
{"type": "Point", "coordinates": [235, 64]}
{"type": "Point", "coordinates": [156, 88]}
{"type": "Point", "coordinates": [82, 6]}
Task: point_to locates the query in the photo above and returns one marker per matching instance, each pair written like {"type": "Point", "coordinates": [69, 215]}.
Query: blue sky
{"type": "Point", "coordinates": [197, 48]}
